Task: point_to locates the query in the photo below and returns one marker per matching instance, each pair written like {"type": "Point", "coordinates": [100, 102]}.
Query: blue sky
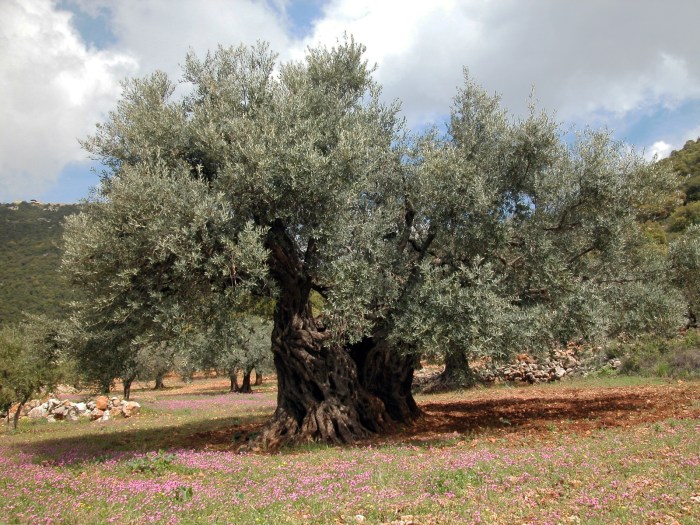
{"type": "Point", "coordinates": [628, 65]}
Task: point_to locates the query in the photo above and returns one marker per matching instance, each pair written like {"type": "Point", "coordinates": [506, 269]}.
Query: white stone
{"type": "Point", "coordinates": [38, 412]}
{"type": "Point", "coordinates": [131, 408]}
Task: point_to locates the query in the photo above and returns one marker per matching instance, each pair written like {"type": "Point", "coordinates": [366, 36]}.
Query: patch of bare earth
{"type": "Point", "coordinates": [534, 412]}
{"type": "Point", "coordinates": [524, 414]}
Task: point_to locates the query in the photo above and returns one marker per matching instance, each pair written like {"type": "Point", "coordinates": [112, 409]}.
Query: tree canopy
{"type": "Point", "coordinates": [268, 180]}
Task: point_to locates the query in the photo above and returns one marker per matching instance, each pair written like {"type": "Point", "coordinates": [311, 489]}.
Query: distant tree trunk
{"type": "Point", "coordinates": [245, 386]}
{"type": "Point", "coordinates": [457, 373]}
{"type": "Point", "coordinates": [258, 378]}
{"type": "Point", "coordinates": [233, 376]}
{"type": "Point", "coordinates": [105, 385]}
{"type": "Point", "coordinates": [159, 381]}
{"type": "Point", "coordinates": [388, 374]}
{"type": "Point", "coordinates": [17, 413]}
{"type": "Point", "coordinates": [319, 396]}
{"type": "Point", "coordinates": [126, 382]}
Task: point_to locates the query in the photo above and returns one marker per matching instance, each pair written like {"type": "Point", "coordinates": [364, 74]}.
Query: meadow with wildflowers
{"type": "Point", "coordinates": [617, 451]}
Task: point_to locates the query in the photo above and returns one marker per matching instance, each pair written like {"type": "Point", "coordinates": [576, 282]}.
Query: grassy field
{"type": "Point", "coordinates": [601, 452]}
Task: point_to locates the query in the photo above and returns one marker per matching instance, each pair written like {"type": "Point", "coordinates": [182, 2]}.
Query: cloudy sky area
{"type": "Point", "coordinates": [629, 65]}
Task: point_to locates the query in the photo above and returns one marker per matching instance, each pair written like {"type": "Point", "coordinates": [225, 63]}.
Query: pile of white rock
{"type": "Point", "coordinates": [101, 408]}
{"type": "Point", "coordinates": [570, 361]}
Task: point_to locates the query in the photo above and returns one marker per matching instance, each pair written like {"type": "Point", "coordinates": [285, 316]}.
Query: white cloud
{"type": "Point", "coordinates": [53, 90]}
{"type": "Point", "coordinates": [161, 32]}
{"type": "Point", "coordinates": [584, 59]}
{"type": "Point", "coordinates": [593, 62]}
{"type": "Point", "coordinates": [658, 150]}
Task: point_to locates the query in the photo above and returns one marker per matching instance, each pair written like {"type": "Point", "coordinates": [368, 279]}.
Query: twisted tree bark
{"type": "Point", "coordinates": [319, 394]}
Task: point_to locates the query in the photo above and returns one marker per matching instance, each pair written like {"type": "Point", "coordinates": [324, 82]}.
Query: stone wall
{"type": "Point", "coordinates": [101, 408]}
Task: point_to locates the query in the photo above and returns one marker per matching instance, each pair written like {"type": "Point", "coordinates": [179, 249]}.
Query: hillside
{"type": "Point", "coordinates": [30, 254]}
{"type": "Point", "coordinates": [686, 162]}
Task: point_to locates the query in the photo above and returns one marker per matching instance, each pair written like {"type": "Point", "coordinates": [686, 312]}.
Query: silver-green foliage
{"type": "Point", "coordinates": [495, 235]}
{"type": "Point", "coordinates": [175, 236]}
{"type": "Point", "coordinates": [504, 236]}
{"type": "Point", "coordinates": [684, 254]}
{"type": "Point", "coordinates": [29, 360]}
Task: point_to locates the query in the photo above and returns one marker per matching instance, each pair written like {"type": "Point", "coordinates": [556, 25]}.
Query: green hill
{"type": "Point", "coordinates": [686, 162]}
{"type": "Point", "coordinates": [30, 256]}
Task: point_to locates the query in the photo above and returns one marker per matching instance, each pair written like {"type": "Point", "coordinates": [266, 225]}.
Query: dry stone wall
{"type": "Point", "coordinates": [101, 408]}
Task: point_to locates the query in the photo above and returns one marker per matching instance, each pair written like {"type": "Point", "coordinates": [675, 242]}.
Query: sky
{"type": "Point", "coordinates": [631, 66]}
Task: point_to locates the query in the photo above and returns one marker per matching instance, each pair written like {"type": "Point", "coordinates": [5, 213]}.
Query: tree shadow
{"type": "Point", "coordinates": [565, 412]}
{"type": "Point", "coordinates": [228, 433]}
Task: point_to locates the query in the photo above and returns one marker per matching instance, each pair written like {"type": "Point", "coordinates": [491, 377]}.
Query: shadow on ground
{"type": "Point", "coordinates": [530, 413]}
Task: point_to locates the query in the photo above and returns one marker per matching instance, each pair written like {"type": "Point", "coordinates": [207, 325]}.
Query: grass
{"type": "Point", "coordinates": [174, 464]}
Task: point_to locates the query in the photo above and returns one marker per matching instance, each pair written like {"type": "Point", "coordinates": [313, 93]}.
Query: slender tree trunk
{"type": "Point", "coordinates": [127, 381]}
{"type": "Point", "coordinates": [245, 386]}
{"type": "Point", "coordinates": [258, 378]}
{"type": "Point", "coordinates": [388, 374]}
{"type": "Point", "coordinates": [233, 376]}
{"type": "Point", "coordinates": [319, 395]}
{"type": "Point", "coordinates": [15, 420]}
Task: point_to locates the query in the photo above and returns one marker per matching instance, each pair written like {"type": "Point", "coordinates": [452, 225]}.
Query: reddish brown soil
{"type": "Point", "coordinates": [541, 411]}
{"type": "Point", "coordinates": [523, 414]}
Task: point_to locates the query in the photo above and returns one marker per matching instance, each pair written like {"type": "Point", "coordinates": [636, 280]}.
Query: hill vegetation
{"type": "Point", "coordinates": [30, 255]}
{"type": "Point", "coordinates": [686, 163]}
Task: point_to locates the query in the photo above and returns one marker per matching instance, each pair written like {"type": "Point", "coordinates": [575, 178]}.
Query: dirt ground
{"type": "Point", "coordinates": [518, 414]}
{"type": "Point", "coordinates": [542, 411]}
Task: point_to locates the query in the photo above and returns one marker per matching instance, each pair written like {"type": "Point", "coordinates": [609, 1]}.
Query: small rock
{"type": "Point", "coordinates": [359, 518]}
{"type": "Point", "coordinates": [91, 405]}
{"type": "Point", "coordinates": [105, 416]}
{"type": "Point", "coordinates": [115, 412]}
{"type": "Point", "coordinates": [559, 372]}
{"type": "Point", "coordinates": [96, 414]}
{"type": "Point", "coordinates": [38, 412]}
{"type": "Point", "coordinates": [81, 407]}
{"type": "Point", "coordinates": [131, 408]}
{"type": "Point", "coordinates": [102, 403]}
{"type": "Point", "coordinates": [60, 412]}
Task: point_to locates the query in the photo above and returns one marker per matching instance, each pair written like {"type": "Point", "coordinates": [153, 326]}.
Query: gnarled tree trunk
{"type": "Point", "coordinates": [456, 374]}
{"type": "Point", "coordinates": [319, 395]}
{"type": "Point", "coordinates": [387, 374]}
{"type": "Point", "coordinates": [160, 385]}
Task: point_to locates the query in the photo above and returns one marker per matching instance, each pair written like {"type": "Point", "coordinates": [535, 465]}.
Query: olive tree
{"type": "Point", "coordinates": [293, 180]}
{"type": "Point", "coordinates": [504, 237]}
{"type": "Point", "coordinates": [29, 361]}
{"type": "Point", "coordinates": [684, 254]}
